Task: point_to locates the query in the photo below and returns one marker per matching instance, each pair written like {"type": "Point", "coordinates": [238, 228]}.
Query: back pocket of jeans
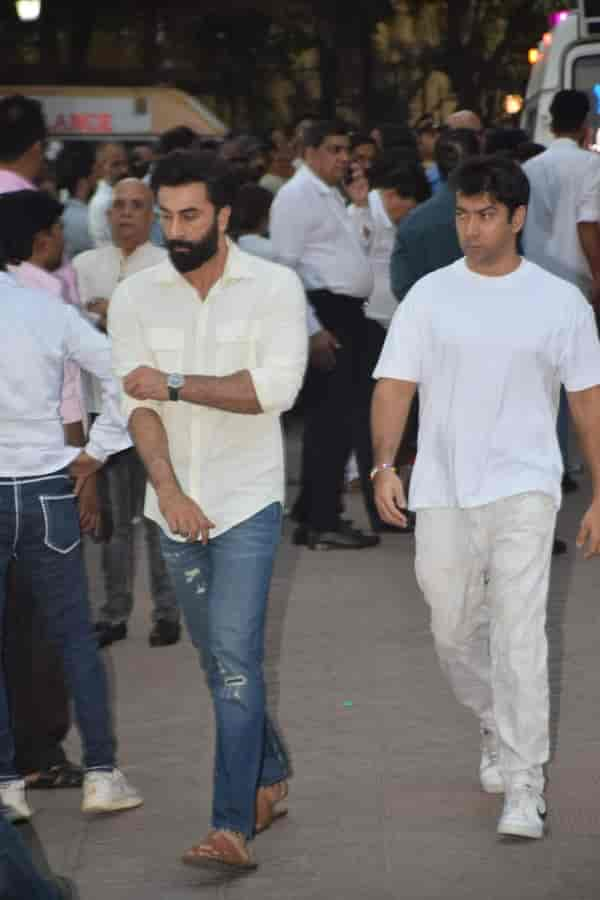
{"type": "Point", "coordinates": [61, 522]}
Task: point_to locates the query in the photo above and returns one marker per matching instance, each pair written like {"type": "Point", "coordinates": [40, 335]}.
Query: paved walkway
{"type": "Point", "coordinates": [385, 801]}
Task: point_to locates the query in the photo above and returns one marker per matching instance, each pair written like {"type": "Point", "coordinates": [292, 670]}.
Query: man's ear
{"type": "Point", "coordinates": [223, 217]}
{"type": "Point", "coordinates": [518, 219]}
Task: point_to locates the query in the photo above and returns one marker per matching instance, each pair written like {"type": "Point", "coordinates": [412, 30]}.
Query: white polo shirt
{"type": "Point", "coordinates": [565, 190]}
{"type": "Point", "coordinates": [489, 355]}
{"type": "Point", "coordinates": [252, 319]}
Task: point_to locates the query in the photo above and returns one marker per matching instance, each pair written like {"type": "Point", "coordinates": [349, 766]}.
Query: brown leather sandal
{"type": "Point", "coordinates": [271, 804]}
{"type": "Point", "coordinates": [221, 849]}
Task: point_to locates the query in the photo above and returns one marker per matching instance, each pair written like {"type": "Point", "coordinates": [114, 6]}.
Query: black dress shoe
{"type": "Point", "coordinates": [107, 633]}
{"type": "Point", "coordinates": [164, 633]}
{"type": "Point", "coordinates": [345, 537]}
{"type": "Point", "coordinates": [569, 485]}
{"type": "Point", "coordinates": [559, 547]}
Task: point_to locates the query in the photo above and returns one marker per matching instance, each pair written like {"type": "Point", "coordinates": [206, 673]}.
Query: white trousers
{"type": "Point", "coordinates": [484, 573]}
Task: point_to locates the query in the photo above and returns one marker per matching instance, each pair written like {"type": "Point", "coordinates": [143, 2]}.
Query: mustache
{"type": "Point", "coordinates": [175, 246]}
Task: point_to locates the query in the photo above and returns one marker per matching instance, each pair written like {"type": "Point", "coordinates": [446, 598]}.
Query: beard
{"type": "Point", "coordinates": [189, 255]}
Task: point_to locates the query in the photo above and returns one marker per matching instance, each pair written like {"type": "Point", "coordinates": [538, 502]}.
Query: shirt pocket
{"type": "Point", "coordinates": [167, 346]}
{"type": "Point", "coordinates": [235, 347]}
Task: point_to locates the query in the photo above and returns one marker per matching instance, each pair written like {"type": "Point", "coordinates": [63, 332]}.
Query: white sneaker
{"type": "Point", "coordinates": [490, 775]}
{"type": "Point", "coordinates": [12, 799]}
{"type": "Point", "coordinates": [523, 814]}
{"type": "Point", "coordinates": [108, 792]}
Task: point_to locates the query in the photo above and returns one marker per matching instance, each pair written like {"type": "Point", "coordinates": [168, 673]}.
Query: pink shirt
{"type": "Point", "coordinates": [71, 407]}
{"type": "Point", "coordinates": [10, 181]}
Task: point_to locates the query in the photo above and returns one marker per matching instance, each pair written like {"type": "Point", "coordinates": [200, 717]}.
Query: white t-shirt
{"type": "Point", "coordinates": [565, 190]}
{"type": "Point", "coordinates": [489, 355]}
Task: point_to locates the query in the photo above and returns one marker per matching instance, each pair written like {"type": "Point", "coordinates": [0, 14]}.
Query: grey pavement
{"type": "Point", "coordinates": [385, 800]}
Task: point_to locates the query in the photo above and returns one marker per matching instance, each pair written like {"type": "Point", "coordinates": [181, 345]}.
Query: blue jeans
{"type": "Point", "coordinates": [222, 589]}
{"type": "Point", "coordinates": [18, 874]}
{"type": "Point", "coordinates": [39, 524]}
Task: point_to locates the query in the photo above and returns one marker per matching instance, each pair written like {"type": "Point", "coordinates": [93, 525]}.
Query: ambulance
{"type": "Point", "coordinates": [568, 56]}
{"type": "Point", "coordinates": [127, 114]}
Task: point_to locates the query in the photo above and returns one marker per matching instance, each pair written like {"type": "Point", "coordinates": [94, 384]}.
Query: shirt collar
{"type": "Point", "coordinates": [34, 276]}
{"type": "Point", "coordinates": [307, 172]}
{"type": "Point", "coordinates": [12, 181]}
{"type": "Point", "coordinates": [563, 142]}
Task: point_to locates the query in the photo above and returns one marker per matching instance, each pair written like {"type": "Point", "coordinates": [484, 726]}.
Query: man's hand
{"type": "Point", "coordinates": [323, 345]}
{"type": "Point", "coordinates": [81, 468]}
{"type": "Point", "coordinates": [357, 189]}
{"type": "Point", "coordinates": [390, 498]}
{"type": "Point", "coordinates": [98, 307]}
{"type": "Point", "coordinates": [589, 532]}
{"type": "Point", "coordinates": [184, 516]}
{"type": "Point", "coordinates": [146, 383]}
{"type": "Point", "coordinates": [89, 507]}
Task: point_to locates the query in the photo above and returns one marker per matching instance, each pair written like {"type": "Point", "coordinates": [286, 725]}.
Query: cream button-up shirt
{"type": "Point", "coordinates": [252, 319]}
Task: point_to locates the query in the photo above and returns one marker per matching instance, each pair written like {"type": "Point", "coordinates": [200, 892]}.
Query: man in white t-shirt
{"type": "Point", "coordinates": [488, 341]}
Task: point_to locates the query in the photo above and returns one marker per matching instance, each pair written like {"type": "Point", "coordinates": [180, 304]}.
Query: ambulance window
{"type": "Point", "coordinates": [586, 77]}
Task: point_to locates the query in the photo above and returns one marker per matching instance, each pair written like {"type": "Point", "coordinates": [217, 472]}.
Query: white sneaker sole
{"type": "Point", "coordinates": [14, 816]}
{"type": "Point", "coordinates": [118, 806]}
{"type": "Point", "coordinates": [521, 830]}
{"type": "Point", "coordinates": [492, 787]}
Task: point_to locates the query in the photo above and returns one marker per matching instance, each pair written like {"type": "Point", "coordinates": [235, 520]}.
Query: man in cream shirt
{"type": "Point", "coordinates": [211, 346]}
{"type": "Point", "coordinates": [123, 481]}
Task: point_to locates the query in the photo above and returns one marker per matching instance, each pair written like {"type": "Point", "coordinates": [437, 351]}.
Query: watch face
{"type": "Point", "coordinates": [175, 381]}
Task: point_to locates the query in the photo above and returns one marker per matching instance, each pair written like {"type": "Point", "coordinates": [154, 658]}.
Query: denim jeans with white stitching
{"type": "Point", "coordinates": [39, 524]}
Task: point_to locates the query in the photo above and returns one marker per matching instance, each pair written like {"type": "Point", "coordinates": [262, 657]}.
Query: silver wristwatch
{"type": "Point", "coordinates": [175, 383]}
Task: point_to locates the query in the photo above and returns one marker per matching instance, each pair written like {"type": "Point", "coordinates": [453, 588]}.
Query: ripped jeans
{"type": "Point", "coordinates": [222, 589]}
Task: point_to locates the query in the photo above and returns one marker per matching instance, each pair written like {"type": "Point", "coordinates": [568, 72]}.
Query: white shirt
{"type": "Point", "coordinates": [489, 355]}
{"type": "Point", "coordinates": [44, 332]}
{"type": "Point", "coordinates": [565, 190]}
{"type": "Point", "coordinates": [99, 205]}
{"type": "Point", "coordinates": [98, 274]}
{"type": "Point", "coordinates": [312, 233]}
{"type": "Point", "coordinates": [375, 227]}
{"type": "Point", "coordinates": [253, 318]}
{"type": "Point", "coordinates": [100, 271]}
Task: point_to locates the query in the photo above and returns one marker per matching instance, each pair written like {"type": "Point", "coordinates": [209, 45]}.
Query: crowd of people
{"type": "Point", "coordinates": [426, 291]}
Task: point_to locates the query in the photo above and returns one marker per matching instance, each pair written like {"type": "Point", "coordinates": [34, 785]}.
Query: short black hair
{"type": "Point", "coordinates": [320, 129]}
{"type": "Point", "coordinates": [569, 110]}
{"type": "Point", "coordinates": [503, 179]}
{"type": "Point", "coordinates": [358, 138]}
{"type": "Point", "coordinates": [250, 209]}
{"type": "Point", "coordinates": [23, 215]}
{"type": "Point", "coordinates": [454, 146]}
{"type": "Point", "coordinates": [527, 150]}
{"type": "Point", "coordinates": [504, 140]}
{"type": "Point", "coordinates": [72, 164]}
{"type": "Point", "coordinates": [22, 124]}
{"type": "Point", "coordinates": [179, 138]}
{"type": "Point", "coordinates": [203, 167]}
{"type": "Point", "coordinates": [405, 176]}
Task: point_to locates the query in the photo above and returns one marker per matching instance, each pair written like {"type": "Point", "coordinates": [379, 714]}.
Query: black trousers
{"type": "Point", "coordinates": [37, 693]}
{"type": "Point", "coordinates": [337, 413]}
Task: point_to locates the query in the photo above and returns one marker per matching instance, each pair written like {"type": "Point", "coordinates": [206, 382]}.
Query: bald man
{"type": "Point", "coordinates": [123, 482]}
{"type": "Point", "coordinates": [465, 118]}
{"type": "Point", "coordinates": [111, 166]}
